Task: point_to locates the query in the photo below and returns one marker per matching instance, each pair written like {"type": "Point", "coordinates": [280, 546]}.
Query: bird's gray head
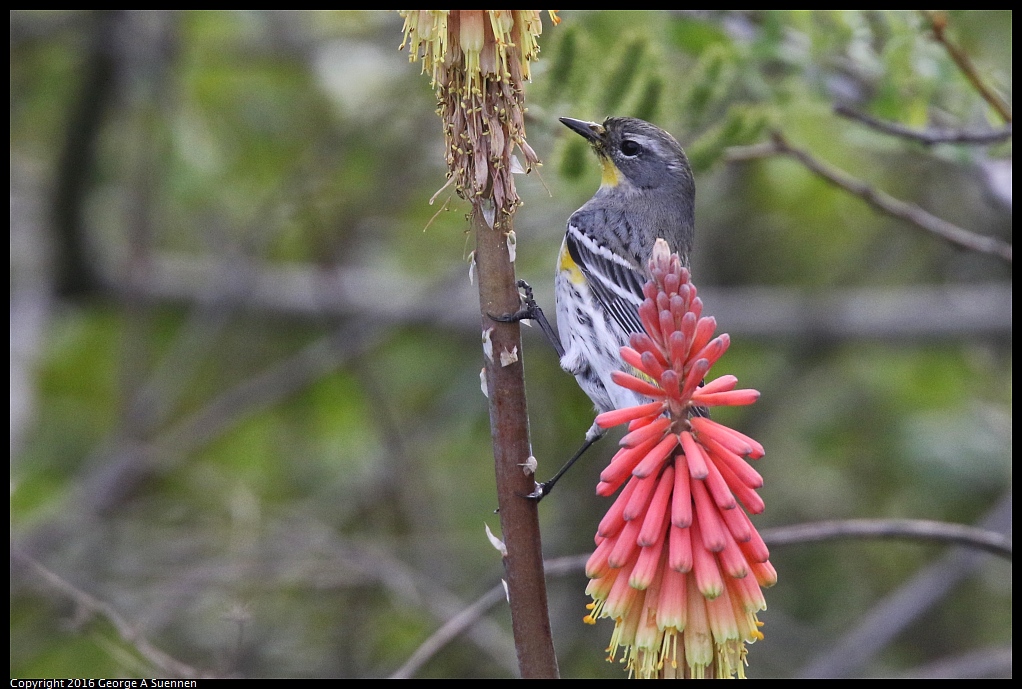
{"type": "Point", "coordinates": [636, 153]}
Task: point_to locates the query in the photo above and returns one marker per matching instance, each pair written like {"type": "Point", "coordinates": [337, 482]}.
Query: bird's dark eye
{"type": "Point", "coordinates": [630, 148]}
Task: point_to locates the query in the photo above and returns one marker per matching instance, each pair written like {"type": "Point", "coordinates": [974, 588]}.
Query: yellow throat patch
{"type": "Point", "coordinates": [610, 176]}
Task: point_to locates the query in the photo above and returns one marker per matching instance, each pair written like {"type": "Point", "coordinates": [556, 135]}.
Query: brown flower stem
{"type": "Point", "coordinates": [509, 426]}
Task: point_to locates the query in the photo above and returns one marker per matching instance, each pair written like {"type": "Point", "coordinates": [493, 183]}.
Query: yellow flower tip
{"type": "Point", "coordinates": [589, 619]}
{"type": "Point", "coordinates": [553, 16]}
{"type": "Point", "coordinates": [758, 634]}
{"type": "Point", "coordinates": [711, 592]}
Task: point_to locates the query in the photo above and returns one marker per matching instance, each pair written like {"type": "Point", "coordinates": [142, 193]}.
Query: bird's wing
{"type": "Point", "coordinates": [614, 281]}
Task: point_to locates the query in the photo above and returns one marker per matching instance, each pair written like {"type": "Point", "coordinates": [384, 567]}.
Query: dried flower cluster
{"type": "Point", "coordinates": [479, 61]}
{"type": "Point", "coordinates": [678, 564]}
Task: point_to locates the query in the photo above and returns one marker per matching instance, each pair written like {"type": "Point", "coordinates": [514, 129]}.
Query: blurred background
{"type": "Point", "coordinates": [247, 433]}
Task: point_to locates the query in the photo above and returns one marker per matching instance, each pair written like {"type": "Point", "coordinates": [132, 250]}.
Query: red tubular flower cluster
{"type": "Point", "coordinates": [675, 552]}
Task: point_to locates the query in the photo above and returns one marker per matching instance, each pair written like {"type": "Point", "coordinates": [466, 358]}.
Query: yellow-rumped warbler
{"type": "Point", "coordinates": [647, 193]}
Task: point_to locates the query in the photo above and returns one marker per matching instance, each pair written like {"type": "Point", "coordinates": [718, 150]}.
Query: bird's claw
{"type": "Point", "coordinates": [539, 492]}
{"type": "Point", "coordinates": [530, 309]}
{"type": "Point", "coordinates": [521, 314]}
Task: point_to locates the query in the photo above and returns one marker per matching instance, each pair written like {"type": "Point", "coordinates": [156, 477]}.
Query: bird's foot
{"type": "Point", "coordinates": [540, 491]}
{"type": "Point", "coordinates": [529, 311]}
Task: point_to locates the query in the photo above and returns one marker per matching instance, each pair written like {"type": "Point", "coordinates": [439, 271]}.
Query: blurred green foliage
{"type": "Point", "coordinates": [325, 521]}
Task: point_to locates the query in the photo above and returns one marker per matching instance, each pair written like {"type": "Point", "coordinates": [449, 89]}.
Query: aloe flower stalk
{"type": "Point", "coordinates": [678, 564]}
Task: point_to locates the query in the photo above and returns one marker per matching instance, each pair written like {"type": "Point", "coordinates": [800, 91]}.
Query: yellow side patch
{"type": "Point", "coordinates": [566, 264]}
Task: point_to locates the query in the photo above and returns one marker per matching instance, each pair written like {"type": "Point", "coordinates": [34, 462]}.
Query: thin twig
{"type": "Point", "coordinates": [927, 137]}
{"type": "Point", "coordinates": [938, 23]}
{"type": "Point", "coordinates": [132, 463]}
{"type": "Point", "coordinates": [993, 662]}
{"type": "Point", "coordinates": [449, 631]}
{"type": "Point", "coordinates": [904, 529]}
{"type": "Point", "coordinates": [880, 529]}
{"type": "Point", "coordinates": [879, 200]}
{"type": "Point", "coordinates": [891, 615]}
{"type": "Point", "coordinates": [409, 587]}
{"type": "Point", "coordinates": [464, 620]}
{"type": "Point", "coordinates": [127, 631]}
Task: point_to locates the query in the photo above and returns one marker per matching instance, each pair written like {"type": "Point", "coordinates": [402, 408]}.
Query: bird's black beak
{"type": "Point", "coordinates": [593, 132]}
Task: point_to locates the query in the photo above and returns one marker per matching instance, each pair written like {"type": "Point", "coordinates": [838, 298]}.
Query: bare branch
{"type": "Point", "coordinates": [927, 137]}
{"type": "Point", "coordinates": [917, 311]}
{"type": "Point", "coordinates": [127, 631]}
{"type": "Point", "coordinates": [866, 313]}
{"type": "Point", "coordinates": [131, 463]}
{"type": "Point", "coordinates": [866, 529]}
{"type": "Point", "coordinates": [741, 154]}
{"type": "Point", "coordinates": [449, 631]}
{"type": "Point", "coordinates": [993, 662]}
{"type": "Point", "coordinates": [308, 291]}
{"type": "Point", "coordinates": [413, 587]}
{"type": "Point", "coordinates": [471, 615]}
{"type": "Point", "coordinates": [903, 529]}
{"type": "Point", "coordinates": [880, 200]}
{"type": "Point", "coordinates": [938, 23]}
{"type": "Point", "coordinates": [892, 614]}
